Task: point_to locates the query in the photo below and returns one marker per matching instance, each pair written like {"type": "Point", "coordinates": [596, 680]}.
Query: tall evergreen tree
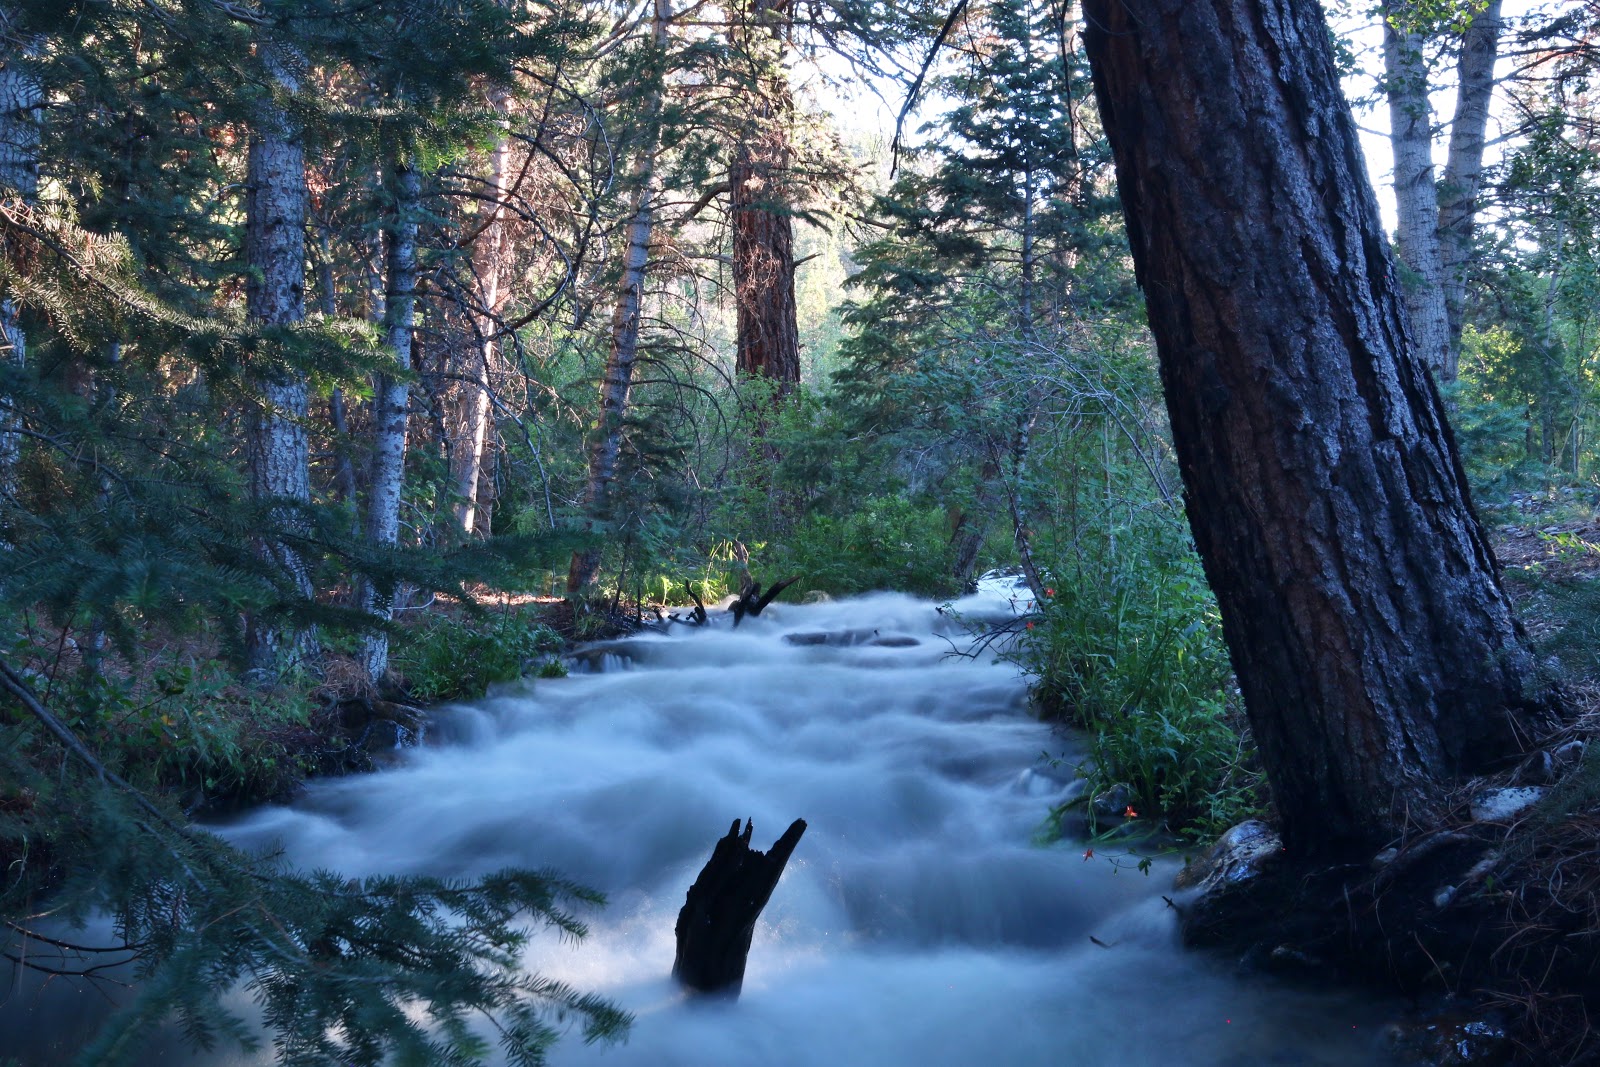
{"type": "Point", "coordinates": [1378, 654]}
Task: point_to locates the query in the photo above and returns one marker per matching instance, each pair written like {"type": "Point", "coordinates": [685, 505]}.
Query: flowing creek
{"type": "Point", "coordinates": [918, 923]}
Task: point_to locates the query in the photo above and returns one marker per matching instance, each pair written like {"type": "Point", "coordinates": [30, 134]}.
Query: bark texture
{"type": "Point", "coordinates": [20, 99]}
{"type": "Point", "coordinates": [489, 254]}
{"type": "Point", "coordinates": [718, 917]}
{"type": "Point", "coordinates": [1376, 651]}
{"type": "Point", "coordinates": [605, 448]}
{"type": "Point", "coordinates": [275, 249]}
{"type": "Point", "coordinates": [1416, 197]}
{"type": "Point", "coordinates": [1458, 194]}
{"type": "Point", "coordinates": [391, 401]}
{"type": "Point", "coordinates": [763, 227]}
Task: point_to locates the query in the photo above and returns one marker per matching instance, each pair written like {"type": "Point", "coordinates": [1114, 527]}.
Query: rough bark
{"type": "Point", "coordinates": [606, 446]}
{"type": "Point", "coordinates": [763, 227]}
{"type": "Point", "coordinates": [21, 97]}
{"type": "Point", "coordinates": [1458, 194]}
{"type": "Point", "coordinates": [344, 471]}
{"type": "Point", "coordinates": [390, 406]}
{"type": "Point", "coordinates": [1416, 197]}
{"type": "Point", "coordinates": [1376, 652]}
{"type": "Point", "coordinates": [489, 254]}
{"type": "Point", "coordinates": [275, 250]}
{"type": "Point", "coordinates": [718, 918]}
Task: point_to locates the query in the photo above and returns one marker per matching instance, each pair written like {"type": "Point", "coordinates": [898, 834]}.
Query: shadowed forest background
{"type": "Point", "coordinates": [358, 355]}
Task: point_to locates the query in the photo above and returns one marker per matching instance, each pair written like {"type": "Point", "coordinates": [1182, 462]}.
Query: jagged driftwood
{"type": "Point", "coordinates": [753, 602]}
{"type": "Point", "coordinates": [719, 915]}
{"type": "Point", "coordinates": [697, 617]}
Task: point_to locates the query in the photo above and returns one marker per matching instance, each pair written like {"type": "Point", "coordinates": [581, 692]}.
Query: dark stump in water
{"type": "Point", "coordinates": [719, 916]}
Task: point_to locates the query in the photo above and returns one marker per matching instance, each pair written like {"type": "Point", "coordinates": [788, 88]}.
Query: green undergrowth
{"type": "Point", "coordinates": [1129, 649]}
{"type": "Point", "coordinates": [444, 657]}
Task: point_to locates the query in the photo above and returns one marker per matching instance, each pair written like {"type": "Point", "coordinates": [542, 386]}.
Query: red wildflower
{"type": "Point", "coordinates": [1129, 813]}
{"type": "Point", "coordinates": [1088, 854]}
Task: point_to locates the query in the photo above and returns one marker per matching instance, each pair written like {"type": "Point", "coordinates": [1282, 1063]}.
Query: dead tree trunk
{"type": "Point", "coordinates": [719, 916]}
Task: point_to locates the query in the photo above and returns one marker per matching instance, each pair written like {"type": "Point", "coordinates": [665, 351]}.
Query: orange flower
{"type": "Point", "coordinates": [1030, 626]}
{"type": "Point", "coordinates": [1049, 592]}
{"type": "Point", "coordinates": [1129, 813]}
{"type": "Point", "coordinates": [1088, 854]}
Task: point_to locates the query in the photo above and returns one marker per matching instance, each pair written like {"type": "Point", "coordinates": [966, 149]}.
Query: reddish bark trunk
{"type": "Point", "coordinates": [1377, 654]}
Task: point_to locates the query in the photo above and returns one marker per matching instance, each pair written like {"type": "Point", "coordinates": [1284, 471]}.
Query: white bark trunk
{"type": "Point", "coordinates": [1416, 197]}
{"type": "Point", "coordinates": [489, 255]}
{"type": "Point", "coordinates": [1458, 195]}
{"type": "Point", "coordinates": [390, 403]}
{"type": "Point", "coordinates": [20, 99]}
{"type": "Point", "coordinates": [275, 249]}
{"type": "Point", "coordinates": [618, 381]}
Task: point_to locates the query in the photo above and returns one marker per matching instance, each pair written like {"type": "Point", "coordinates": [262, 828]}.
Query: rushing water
{"type": "Point", "coordinates": [918, 923]}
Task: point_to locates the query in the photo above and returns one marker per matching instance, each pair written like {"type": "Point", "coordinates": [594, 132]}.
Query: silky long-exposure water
{"type": "Point", "coordinates": [919, 922]}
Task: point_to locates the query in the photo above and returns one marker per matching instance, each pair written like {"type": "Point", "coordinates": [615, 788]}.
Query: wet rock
{"type": "Point", "coordinates": [1239, 856]}
{"type": "Point", "coordinates": [1567, 756]}
{"type": "Point", "coordinates": [832, 638]}
{"type": "Point", "coordinates": [1498, 805]}
{"type": "Point", "coordinates": [894, 641]}
{"type": "Point", "coordinates": [1114, 802]}
{"type": "Point", "coordinates": [1291, 961]}
{"type": "Point", "coordinates": [1472, 1042]}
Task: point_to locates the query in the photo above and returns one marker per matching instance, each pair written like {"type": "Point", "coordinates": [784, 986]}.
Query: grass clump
{"type": "Point", "coordinates": [1129, 648]}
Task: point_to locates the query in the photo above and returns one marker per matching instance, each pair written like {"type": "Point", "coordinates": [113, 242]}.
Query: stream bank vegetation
{"type": "Point", "coordinates": [356, 355]}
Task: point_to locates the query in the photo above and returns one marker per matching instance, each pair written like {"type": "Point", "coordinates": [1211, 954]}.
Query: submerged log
{"type": "Point", "coordinates": [719, 916]}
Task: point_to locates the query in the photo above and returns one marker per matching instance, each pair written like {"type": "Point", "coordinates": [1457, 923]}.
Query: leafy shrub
{"type": "Point", "coordinates": [887, 542]}
{"type": "Point", "coordinates": [447, 657]}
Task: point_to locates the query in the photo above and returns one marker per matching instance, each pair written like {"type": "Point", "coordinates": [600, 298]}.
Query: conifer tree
{"type": "Point", "coordinates": [21, 96]}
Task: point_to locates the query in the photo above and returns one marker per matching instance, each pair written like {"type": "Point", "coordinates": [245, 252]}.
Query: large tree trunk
{"type": "Point", "coordinates": [1458, 195]}
{"type": "Point", "coordinates": [489, 256]}
{"type": "Point", "coordinates": [1416, 197]}
{"type": "Point", "coordinates": [763, 228]}
{"type": "Point", "coordinates": [275, 250]}
{"type": "Point", "coordinates": [1376, 651]}
{"type": "Point", "coordinates": [606, 447]}
{"type": "Point", "coordinates": [390, 406]}
{"type": "Point", "coordinates": [20, 99]}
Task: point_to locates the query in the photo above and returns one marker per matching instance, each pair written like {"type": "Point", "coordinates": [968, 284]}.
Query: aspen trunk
{"type": "Point", "coordinates": [21, 97]}
{"type": "Point", "coordinates": [1377, 653]}
{"type": "Point", "coordinates": [606, 446]}
{"type": "Point", "coordinates": [1458, 195]}
{"type": "Point", "coordinates": [1416, 197]}
{"type": "Point", "coordinates": [489, 255]}
{"type": "Point", "coordinates": [390, 406]}
{"type": "Point", "coordinates": [275, 249]}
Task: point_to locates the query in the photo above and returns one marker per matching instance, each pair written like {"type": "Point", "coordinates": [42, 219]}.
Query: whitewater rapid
{"type": "Point", "coordinates": [919, 924]}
